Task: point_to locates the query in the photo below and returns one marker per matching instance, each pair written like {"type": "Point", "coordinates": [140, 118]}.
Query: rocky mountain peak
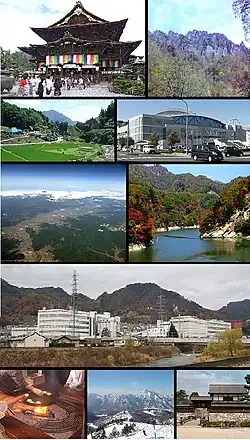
{"type": "Point", "coordinates": [199, 44]}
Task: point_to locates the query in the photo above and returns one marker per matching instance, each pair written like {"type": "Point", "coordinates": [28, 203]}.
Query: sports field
{"type": "Point", "coordinates": [51, 152]}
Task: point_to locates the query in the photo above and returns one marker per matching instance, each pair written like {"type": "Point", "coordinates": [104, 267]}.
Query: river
{"type": "Point", "coordinates": [186, 245]}
{"type": "Point", "coordinates": [174, 361]}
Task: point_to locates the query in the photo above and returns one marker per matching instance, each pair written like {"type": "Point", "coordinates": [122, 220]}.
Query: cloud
{"type": "Point", "coordinates": [212, 285]}
{"type": "Point", "coordinates": [199, 380]}
{"type": "Point", "coordinates": [17, 20]}
{"type": "Point", "coordinates": [180, 16]}
{"type": "Point", "coordinates": [73, 109]}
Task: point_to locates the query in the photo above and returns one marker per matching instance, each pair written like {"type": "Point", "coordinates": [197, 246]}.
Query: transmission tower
{"type": "Point", "coordinates": [161, 307]}
{"type": "Point", "coordinates": [74, 299]}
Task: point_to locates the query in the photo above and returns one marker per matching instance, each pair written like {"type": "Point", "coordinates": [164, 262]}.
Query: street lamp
{"type": "Point", "coordinates": [185, 102]}
{"type": "Point", "coordinates": [128, 135]}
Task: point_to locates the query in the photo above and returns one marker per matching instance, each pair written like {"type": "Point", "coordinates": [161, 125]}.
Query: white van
{"type": "Point", "coordinates": [149, 149]}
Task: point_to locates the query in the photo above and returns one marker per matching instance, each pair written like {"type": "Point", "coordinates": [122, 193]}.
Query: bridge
{"type": "Point", "coordinates": [193, 341]}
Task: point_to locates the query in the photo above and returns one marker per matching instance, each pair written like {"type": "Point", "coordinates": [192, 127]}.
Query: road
{"type": "Point", "coordinates": [175, 158]}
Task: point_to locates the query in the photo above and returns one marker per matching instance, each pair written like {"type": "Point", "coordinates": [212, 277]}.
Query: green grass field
{"type": "Point", "coordinates": [54, 152]}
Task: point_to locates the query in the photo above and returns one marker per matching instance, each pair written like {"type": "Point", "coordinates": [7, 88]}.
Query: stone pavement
{"type": "Point", "coordinates": [94, 91]}
{"type": "Point", "coordinates": [193, 432]}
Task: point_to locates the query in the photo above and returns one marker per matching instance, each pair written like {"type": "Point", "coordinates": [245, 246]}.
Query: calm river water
{"type": "Point", "coordinates": [186, 245]}
{"type": "Point", "coordinates": [174, 361]}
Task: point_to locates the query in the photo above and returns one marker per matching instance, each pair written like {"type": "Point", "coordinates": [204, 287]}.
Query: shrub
{"type": "Point", "coordinates": [243, 227]}
{"type": "Point", "coordinates": [129, 87]}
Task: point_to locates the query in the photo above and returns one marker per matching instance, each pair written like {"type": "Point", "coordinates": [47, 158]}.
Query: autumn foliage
{"type": "Point", "coordinates": [232, 199]}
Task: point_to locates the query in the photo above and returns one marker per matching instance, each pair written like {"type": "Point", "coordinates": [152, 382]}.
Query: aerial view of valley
{"type": "Point", "coordinates": [189, 213]}
{"type": "Point", "coordinates": [77, 216]}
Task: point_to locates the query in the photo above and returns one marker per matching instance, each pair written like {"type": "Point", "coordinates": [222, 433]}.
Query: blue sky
{"type": "Point", "coordinates": [186, 15]}
{"type": "Point", "coordinates": [61, 177]}
{"type": "Point", "coordinates": [75, 109]}
{"type": "Point", "coordinates": [222, 109]}
{"type": "Point", "coordinates": [215, 172]}
{"type": "Point", "coordinates": [130, 381]}
{"type": "Point", "coordinates": [199, 380]}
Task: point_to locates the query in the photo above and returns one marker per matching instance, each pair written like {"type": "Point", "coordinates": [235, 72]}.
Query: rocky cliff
{"type": "Point", "coordinates": [197, 44]}
{"type": "Point", "coordinates": [237, 226]}
{"type": "Point", "coordinates": [230, 215]}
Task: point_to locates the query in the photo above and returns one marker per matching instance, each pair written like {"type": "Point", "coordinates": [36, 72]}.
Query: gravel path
{"type": "Point", "coordinates": [94, 91]}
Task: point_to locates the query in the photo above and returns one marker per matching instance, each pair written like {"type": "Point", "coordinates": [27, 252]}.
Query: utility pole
{"type": "Point", "coordinates": [185, 102]}
{"type": "Point", "coordinates": [74, 300]}
{"type": "Point", "coordinates": [176, 311]}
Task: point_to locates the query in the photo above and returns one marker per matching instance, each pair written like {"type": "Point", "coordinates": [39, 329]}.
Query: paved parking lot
{"type": "Point", "coordinates": [175, 157]}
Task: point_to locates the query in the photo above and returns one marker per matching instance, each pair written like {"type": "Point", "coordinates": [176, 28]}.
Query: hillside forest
{"type": "Point", "coordinates": [151, 208]}
{"type": "Point", "coordinates": [200, 63]}
{"type": "Point", "coordinates": [179, 76]}
{"type": "Point", "coordinates": [98, 130]}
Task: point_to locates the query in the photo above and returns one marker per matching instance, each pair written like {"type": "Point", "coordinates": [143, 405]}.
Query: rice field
{"type": "Point", "coordinates": [52, 152]}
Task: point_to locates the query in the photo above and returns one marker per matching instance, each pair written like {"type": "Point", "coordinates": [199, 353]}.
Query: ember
{"type": "Point", "coordinates": [41, 410]}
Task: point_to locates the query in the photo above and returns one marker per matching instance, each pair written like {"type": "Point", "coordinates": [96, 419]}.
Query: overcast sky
{"type": "Point", "coordinates": [18, 17]}
{"type": "Point", "coordinates": [199, 380]}
{"type": "Point", "coordinates": [210, 285]}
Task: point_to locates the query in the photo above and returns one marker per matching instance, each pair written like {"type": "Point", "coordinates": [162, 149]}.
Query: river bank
{"type": "Point", "coordinates": [185, 244]}
{"type": "Point", "coordinates": [139, 247]}
{"type": "Point", "coordinates": [84, 356]}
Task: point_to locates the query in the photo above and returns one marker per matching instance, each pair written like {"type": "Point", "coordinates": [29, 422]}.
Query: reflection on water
{"type": "Point", "coordinates": [186, 245]}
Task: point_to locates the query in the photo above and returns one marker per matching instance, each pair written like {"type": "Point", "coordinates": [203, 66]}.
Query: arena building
{"type": "Point", "coordinates": [200, 128]}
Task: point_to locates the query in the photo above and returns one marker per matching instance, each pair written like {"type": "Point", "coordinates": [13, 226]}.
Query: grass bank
{"type": "Point", "coordinates": [81, 357]}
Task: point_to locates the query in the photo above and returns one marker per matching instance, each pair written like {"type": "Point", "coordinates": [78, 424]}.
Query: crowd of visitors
{"type": "Point", "coordinates": [48, 86]}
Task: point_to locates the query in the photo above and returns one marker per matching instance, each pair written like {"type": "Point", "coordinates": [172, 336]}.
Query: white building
{"type": "Point", "coordinates": [53, 323]}
{"type": "Point", "coordinates": [22, 331]}
{"type": "Point", "coordinates": [200, 128]}
{"type": "Point", "coordinates": [191, 327]}
{"type": "Point", "coordinates": [188, 327]}
{"type": "Point", "coordinates": [104, 322]}
{"type": "Point", "coordinates": [215, 327]}
{"type": "Point", "coordinates": [161, 330]}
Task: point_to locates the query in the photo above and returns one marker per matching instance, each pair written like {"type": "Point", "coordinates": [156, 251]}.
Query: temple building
{"type": "Point", "coordinates": [81, 42]}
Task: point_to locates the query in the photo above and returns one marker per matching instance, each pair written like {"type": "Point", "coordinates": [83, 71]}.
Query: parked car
{"type": "Point", "coordinates": [233, 151]}
{"type": "Point", "coordinates": [206, 152]}
{"type": "Point", "coordinates": [149, 149]}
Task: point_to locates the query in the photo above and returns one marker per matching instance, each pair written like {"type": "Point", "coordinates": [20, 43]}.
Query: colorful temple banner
{"type": "Point", "coordinates": [77, 59]}
{"type": "Point", "coordinates": [111, 63]}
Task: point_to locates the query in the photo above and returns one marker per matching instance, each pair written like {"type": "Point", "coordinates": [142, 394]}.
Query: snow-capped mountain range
{"type": "Point", "coordinates": [57, 195]}
{"type": "Point", "coordinates": [113, 403]}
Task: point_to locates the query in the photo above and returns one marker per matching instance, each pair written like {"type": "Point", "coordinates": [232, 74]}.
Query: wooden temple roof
{"type": "Point", "coordinates": [115, 48]}
{"type": "Point", "coordinates": [88, 31]}
{"type": "Point", "coordinates": [80, 14]}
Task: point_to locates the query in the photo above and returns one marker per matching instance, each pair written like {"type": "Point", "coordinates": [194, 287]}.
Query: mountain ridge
{"type": "Point", "coordinates": [136, 302]}
{"type": "Point", "coordinates": [117, 402]}
{"type": "Point", "coordinates": [55, 116]}
{"type": "Point", "coordinates": [160, 178]}
{"type": "Point", "coordinates": [197, 44]}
